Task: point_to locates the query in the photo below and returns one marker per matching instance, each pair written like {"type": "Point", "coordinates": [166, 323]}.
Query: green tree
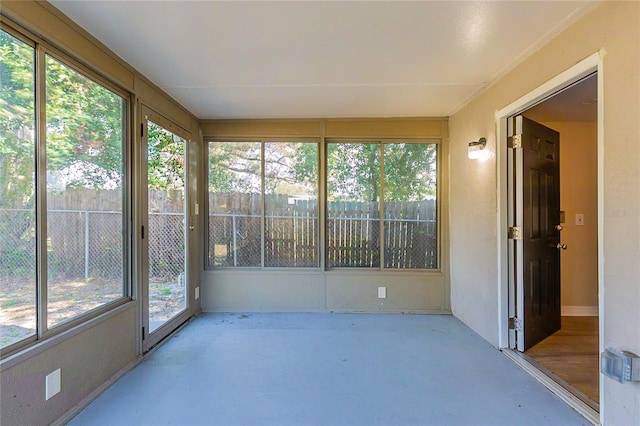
{"type": "Point", "coordinates": [166, 159]}
{"type": "Point", "coordinates": [409, 171]}
{"type": "Point", "coordinates": [353, 172]}
{"type": "Point", "coordinates": [17, 123]}
{"type": "Point", "coordinates": [234, 167]}
{"type": "Point", "coordinates": [85, 128]}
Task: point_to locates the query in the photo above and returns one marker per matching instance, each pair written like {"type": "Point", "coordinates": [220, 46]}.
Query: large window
{"type": "Point", "coordinates": [403, 176]}
{"type": "Point", "coordinates": [17, 191]}
{"type": "Point", "coordinates": [73, 244]}
{"type": "Point", "coordinates": [381, 210]}
{"type": "Point", "coordinates": [84, 142]}
{"type": "Point", "coordinates": [263, 207]}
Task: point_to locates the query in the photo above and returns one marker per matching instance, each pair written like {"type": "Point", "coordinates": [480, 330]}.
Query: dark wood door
{"type": "Point", "coordinates": [540, 234]}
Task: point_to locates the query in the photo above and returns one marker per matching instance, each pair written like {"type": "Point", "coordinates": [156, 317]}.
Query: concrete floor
{"type": "Point", "coordinates": [327, 369]}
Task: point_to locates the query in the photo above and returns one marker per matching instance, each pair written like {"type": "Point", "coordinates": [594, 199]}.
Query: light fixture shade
{"type": "Point", "coordinates": [476, 149]}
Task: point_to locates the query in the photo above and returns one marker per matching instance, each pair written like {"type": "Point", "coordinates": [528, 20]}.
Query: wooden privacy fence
{"type": "Point", "coordinates": [292, 225]}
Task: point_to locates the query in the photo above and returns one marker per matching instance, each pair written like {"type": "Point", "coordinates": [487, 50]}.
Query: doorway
{"type": "Point", "coordinates": [568, 105]}
{"type": "Point", "coordinates": [572, 352]}
{"type": "Point", "coordinates": [164, 228]}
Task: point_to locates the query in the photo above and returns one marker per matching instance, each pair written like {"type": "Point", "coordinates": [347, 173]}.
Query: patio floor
{"type": "Point", "coordinates": [327, 369]}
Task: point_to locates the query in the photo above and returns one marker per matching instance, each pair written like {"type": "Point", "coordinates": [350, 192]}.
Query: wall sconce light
{"type": "Point", "coordinates": [476, 149]}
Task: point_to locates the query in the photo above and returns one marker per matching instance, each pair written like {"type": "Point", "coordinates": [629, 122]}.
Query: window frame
{"type": "Point", "coordinates": [263, 141]}
{"type": "Point", "coordinates": [323, 143]}
{"type": "Point", "coordinates": [44, 333]}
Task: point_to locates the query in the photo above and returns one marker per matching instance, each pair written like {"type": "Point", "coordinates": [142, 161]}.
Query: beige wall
{"type": "Point", "coordinates": [579, 194]}
{"type": "Point", "coordinates": [86, 361]}
{"type": "Point", "coordinates": [612, 26]}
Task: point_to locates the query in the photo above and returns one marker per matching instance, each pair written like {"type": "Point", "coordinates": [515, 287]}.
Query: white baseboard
{"type": "Point", "coordinates": [580, 311]}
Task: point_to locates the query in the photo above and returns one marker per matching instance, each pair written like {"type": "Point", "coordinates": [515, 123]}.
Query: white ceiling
{"type": "Point", "coordinates": [272, 59]}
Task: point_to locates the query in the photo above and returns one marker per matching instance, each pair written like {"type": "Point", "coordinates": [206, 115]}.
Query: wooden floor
{"type": "Point", "coordinates": [573, 354]}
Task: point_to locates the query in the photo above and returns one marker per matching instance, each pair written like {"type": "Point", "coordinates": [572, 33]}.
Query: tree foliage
{"type": "Point", "coordinates": [165, 158]}
{"type": "Point", "coordinates": [353, 172]}
{"type": "Point", "coordinates": [84, 127]}
{"type": "Point", "coordinates": [409, 171]}
{"type": "Point", "coordinates": [234, 167]}
{"type": "Point", "coordinates": [17, 123]}
{"type": "Point", "coordinates": [353, 169]}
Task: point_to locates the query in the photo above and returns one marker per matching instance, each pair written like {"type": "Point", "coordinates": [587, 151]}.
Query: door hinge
{"type": "Point", "coordinates": [514, 141]}
{"type": "Point", "coordinates": [515, 324]}
{"type": "Point", "coordinates": [142, 232]}
{"type": "Point", "coordinates": [514, 233]}
{"type": "Point", "coordinates": [142, 333]}
{"type": "Point", "coordinates": [141, 129]}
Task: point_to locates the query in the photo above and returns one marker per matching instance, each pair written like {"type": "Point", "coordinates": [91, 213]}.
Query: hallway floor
{"type": "Point", "coordinates": [573, 354]}
{"type": "Point", "coordinates": [327, 369]}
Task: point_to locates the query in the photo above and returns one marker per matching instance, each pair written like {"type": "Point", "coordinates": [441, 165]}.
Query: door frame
{"type": "Point", "coordinates": [149, 340]}
{"type": "Point", "coordinates": [506, 301]}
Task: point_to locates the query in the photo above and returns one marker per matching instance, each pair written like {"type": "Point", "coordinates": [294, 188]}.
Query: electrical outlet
{"type": "Point", "coordinates": [197, 293]}
{"type": "Point", "coordinates": [382, 292]}
{"type": "Point", "coordinates": [579, 219]}
{"type": "Point", "coordinates": [52, 384]}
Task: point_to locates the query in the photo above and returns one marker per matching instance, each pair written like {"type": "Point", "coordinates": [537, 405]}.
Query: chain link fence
{"type": "Point", "coordinates": [17, 244]}
{"type": "Point", "coordinates": [85, 245]}
{"type": "Point", "coordinates": [166, 247]}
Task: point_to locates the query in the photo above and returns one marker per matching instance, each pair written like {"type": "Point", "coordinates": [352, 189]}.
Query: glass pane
{"type": "Point", "coordinates": [353, 205]}
{"type": "Point", "coordinates": [166, 233]}
{"type": "Point", "coordinates": [234, 204]}
{"type": "Point", "coordinates": [291, 204]}
{"type": "Point", "coordinates": [17, 191]}
{"type": "Point", "coordinates": [410, 229]}
{"type": "Point", "coordinates": [85, 180]}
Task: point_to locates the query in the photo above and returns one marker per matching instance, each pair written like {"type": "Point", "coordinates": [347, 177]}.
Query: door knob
{"type": "Point", "coordinates": [561, 246]}
{"type": "Point", "coordinates": [559, 227]}
{"type": "Point", "coordinates": [191, 227]}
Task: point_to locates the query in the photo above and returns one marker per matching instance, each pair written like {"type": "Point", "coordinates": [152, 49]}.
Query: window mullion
{"type": "Point", "coordinates": [381, 206]}
{"type": "Point", "coordinates": [263, 199]}
{"type": "Point", "coordinates": [41, 193]}
{"type": "Point", "coordinates": [321, 235]}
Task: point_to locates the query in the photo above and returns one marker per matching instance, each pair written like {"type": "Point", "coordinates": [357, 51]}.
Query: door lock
{"type": "Point", "coordinates": [561, 246]}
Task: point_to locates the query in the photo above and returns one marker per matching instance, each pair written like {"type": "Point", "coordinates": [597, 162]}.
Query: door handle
{"type": "Point", "coordinates": [559, 227]}
{"type": "Point", "coordinates": [191, 227]}
{"type": "Point", "coordinates": [561, 246]}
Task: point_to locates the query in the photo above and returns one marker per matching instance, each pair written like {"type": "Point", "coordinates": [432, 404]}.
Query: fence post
{"type": "Point", "coordinates": [86, 245]}
{"type": "Point", "coordinates": [235, 240]}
